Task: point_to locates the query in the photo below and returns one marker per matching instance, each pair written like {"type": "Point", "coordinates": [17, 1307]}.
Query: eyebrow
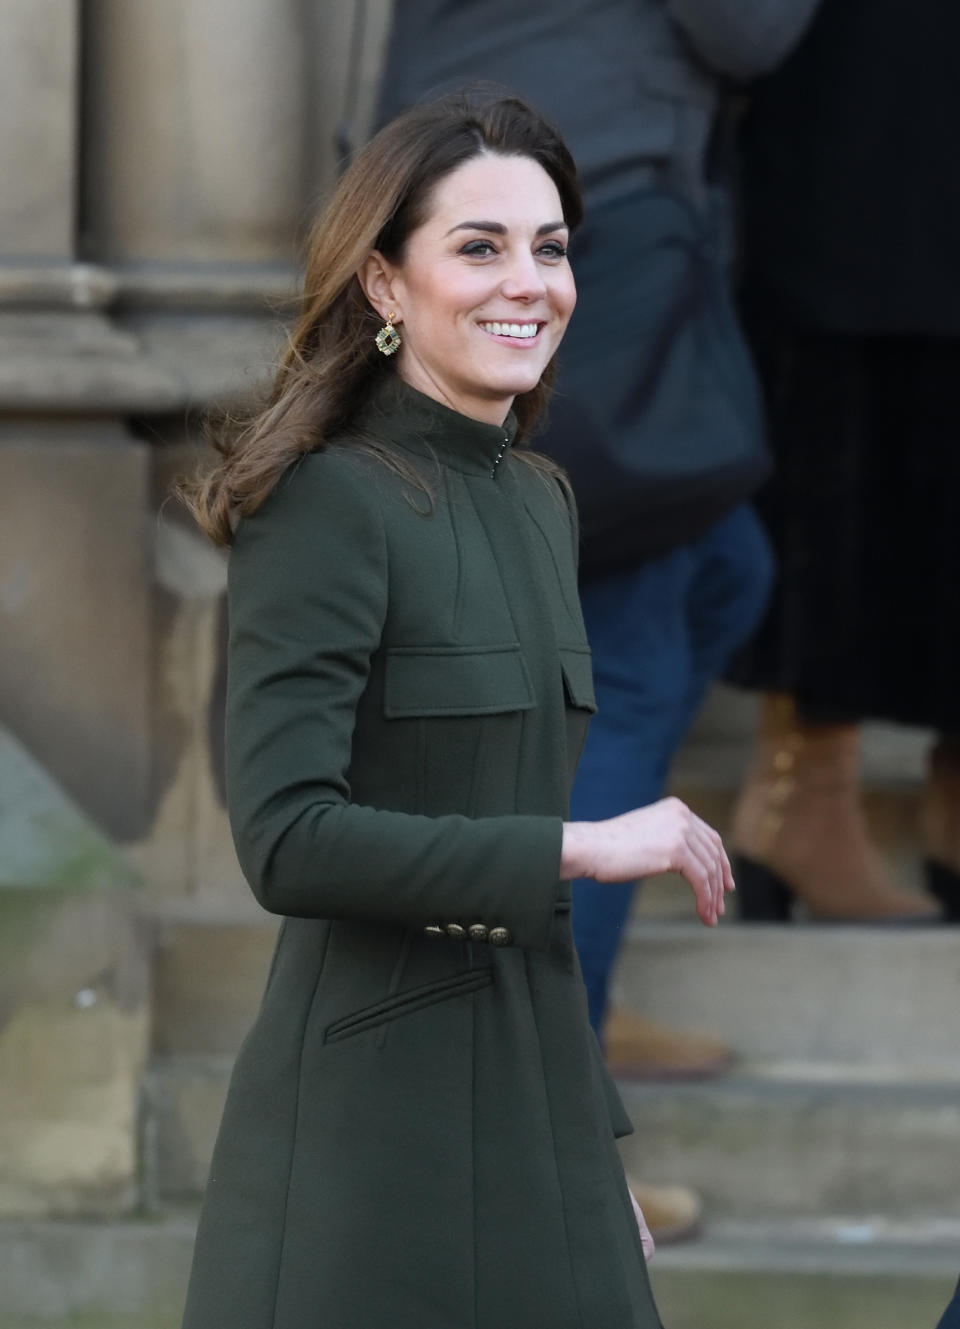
{"type": "Point", "coordinates": [497, 228]}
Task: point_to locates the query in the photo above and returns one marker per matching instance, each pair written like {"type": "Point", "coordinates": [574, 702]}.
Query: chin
{"type": "Point", "coordinates": [518, 383]}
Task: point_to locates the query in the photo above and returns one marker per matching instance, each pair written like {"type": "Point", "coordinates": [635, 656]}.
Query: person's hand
{"type": "Point", "coordinates": [664, 837]}
{"type": "Point", "coordinates": [646, 1240]}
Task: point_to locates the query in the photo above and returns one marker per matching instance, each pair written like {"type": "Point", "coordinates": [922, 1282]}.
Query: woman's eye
{"type": "Point", "coordinates": [553, 249]}
{"type": "Point", "coordinates": [478, 248]}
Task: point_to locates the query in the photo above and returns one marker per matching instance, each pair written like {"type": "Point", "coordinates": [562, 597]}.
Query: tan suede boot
{"type": "Point", "coordinates": [639, 1049]}
{"type": "Point", "coordinates": [940, 825]}
{"type": "Point", "coordinates": [799, 832]}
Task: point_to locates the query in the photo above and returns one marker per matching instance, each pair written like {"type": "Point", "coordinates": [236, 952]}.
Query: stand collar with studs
{"type": "Point", "coordinates": [399, 415]}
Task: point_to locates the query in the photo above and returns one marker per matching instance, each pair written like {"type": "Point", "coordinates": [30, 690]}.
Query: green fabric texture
{"type": "Point", "coordinates": [420, 1131]}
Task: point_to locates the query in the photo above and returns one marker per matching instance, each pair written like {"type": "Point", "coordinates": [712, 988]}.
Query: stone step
{"type": "Point", "coordinates": [758, 1145]}
{"type": "Point", "coordinates": [765, 1140]}
{"type": "Point", "coordinates": [736, 1276]}
{"type": "Point", "coordinates": [816, 992]}
{"type": "Point", "coordinates": [883, 999]}
{"type": "Point", "coordinates": [88, 1275]}
{"type": "Point", "coordinates": [830, 1274]}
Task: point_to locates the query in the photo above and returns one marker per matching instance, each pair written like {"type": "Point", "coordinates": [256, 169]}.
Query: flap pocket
{"type": "Point", "coordinates": [455, 680]}
{"type": "Point", "coordinates": [578, 676]}
{"type": "Point", "coordinates": [407, 1003]}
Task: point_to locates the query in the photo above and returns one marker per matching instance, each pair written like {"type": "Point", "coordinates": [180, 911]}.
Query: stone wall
{"type": "Point", "coordinates": [160, 162]}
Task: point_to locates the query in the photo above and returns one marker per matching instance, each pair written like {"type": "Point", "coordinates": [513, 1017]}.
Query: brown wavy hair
{"type": "Point", "coordinates": [330, 361]}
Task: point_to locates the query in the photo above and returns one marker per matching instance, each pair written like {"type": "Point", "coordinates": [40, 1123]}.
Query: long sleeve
{"type": "Point", "coordinates": [742, 38]}
{"type": "Point", "coordinates": [308, 600]}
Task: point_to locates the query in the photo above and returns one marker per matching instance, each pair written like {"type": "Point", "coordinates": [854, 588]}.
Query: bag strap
{"type": "Point", "coordinates": [369, 34]}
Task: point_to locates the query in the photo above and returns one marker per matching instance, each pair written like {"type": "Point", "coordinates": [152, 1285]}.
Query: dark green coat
{"type": "Point", "coordinates": [419, 1132]}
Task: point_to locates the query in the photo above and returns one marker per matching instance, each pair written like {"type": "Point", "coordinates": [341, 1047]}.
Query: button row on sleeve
{"type": "Point", "coordinates": [475, 932]}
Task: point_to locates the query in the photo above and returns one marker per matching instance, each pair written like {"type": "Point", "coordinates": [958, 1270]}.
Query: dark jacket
{"type": "Point", "coordinates": [635, 87]}
{"type": "Point", "coordinates": [419, 1133]}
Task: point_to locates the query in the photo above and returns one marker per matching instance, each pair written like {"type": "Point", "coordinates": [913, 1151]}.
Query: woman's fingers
{"type": "Point", "coordinates": [708, 871]}
{"type": "Point", "coordinates": [695, 866]}
{"type": "Point", "coordinates": [646, 1237]}
{"type": "Point", "coordinates": [728, 881]}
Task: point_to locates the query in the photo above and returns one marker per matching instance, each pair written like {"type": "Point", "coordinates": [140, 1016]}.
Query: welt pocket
{"type": "Point", "coordinates": [406, 1003]}
{"type": "Point", "coordinates": [575, 661]}
{"type": "Point", "coordinates": [455, 680]}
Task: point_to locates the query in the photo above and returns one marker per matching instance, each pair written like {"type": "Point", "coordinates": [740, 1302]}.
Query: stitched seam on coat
{"type": "Point", "coordinates": [395, 980]}
{"type": "Point", "coordinates": [473, 1150]}
{"type": "Point", "coordinates": [553, 1138]}
{"type": "Point", "coordinates": [458, 598]}
{"type": "Point", "coordinates": [516, 632]}
{"type": "Point", "coordinates": [517, 635]}
{"type": "Point", "coordinates": [562, 581]}
{"type": "Point", "coordinates": [296, 1123]}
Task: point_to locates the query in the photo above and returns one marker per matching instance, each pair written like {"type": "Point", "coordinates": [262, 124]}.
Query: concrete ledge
{"type": "Point", "coordinates": [743, 1276]}
{"type": "Point", "coordinates": [880, 997]}
{"type": "Point", "coordinates": [783, 1148]}
{"type": "Point", "coordinates": [815, 1275]}
{"type": "Point", "coordinates": [196, 286]}
{"type": "Point", "coordinates": [65, 1271]}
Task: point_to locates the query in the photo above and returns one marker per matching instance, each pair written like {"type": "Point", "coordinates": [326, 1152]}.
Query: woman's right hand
{"type": "Point", "coordinates": [664, 837]}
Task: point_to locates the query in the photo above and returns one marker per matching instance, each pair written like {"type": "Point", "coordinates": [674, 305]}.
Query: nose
{"type": "Point", "coordinates": [524, 281]}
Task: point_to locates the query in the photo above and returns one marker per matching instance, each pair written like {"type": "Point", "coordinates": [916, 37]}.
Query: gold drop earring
{"type": "Point", "coordinates": [388, 338]}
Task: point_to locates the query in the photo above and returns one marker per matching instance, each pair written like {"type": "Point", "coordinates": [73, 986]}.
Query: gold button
{"type": "Point", "coordinates": [455, 931]}
{"type": "Point", "coordinates": [434, 931]}
{"type": "Point", "coordinates": [478, 932]}
{"type": "Point", "coordinates": [500, 936]}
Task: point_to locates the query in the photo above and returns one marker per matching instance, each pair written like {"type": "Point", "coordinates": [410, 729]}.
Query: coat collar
{"type": "Point", "coordinates": [405, 418]}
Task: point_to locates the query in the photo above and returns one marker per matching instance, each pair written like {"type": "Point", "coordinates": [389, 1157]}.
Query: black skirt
{"type": "Point", "coordinates": [864, 514]}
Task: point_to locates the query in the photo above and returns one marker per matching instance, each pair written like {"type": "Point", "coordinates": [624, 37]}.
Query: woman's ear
{"type": "Point", "coordinates": [376, 278]}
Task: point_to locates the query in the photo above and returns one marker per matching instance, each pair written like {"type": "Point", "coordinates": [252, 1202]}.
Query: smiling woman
{"type": "Point", "coordinates": [483, 303]}
{"type": "Point", "coordinates": [420, 1132]}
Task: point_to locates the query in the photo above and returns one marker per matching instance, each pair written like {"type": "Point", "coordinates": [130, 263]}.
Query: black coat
{"type": "Point", "coordinates": [852, 300]}
{"type": "Point", "coordinates": [851, 189]}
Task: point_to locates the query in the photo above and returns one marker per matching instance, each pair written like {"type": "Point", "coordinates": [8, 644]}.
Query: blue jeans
{"type": "Point", "coordinates": [660, 634]}
{"type": "Point", "coordinates": [951, 1316]}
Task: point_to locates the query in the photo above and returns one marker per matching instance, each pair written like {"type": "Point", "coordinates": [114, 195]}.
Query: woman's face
{"type": "Point", "coordinates": [484, 292]}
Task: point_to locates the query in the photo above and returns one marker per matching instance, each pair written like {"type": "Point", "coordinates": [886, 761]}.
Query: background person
{"type": "Point", "coordinates": [419, 1126]}
{"type": "Point", "coordinates": [851, 293]}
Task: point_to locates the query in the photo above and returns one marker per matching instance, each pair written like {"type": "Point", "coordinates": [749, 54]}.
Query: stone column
{"type": "Point", "coordinates": [75, 617]}
{"type": "Point", "coordinates": [38, 99]}
{"type": "Point", "coordinates": [348, 42]}
{"type": "Point", "coordinates": [195, 116]}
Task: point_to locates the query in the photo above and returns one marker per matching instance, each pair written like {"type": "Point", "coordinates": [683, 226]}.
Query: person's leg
{"type": "Point", "coordinates": [727, 593]}
{"type": "Point", "coordinates": [635, 626]}
{"type": "Point", "coordinates": [951, 1316]}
